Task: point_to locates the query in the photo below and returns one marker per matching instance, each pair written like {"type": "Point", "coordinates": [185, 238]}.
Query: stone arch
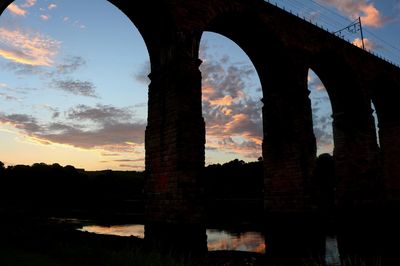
{"type": "Point", "coordinates": [124, 10]}
{"type": "Point", "coordinates": [289, 142]}
{"type": "Point", "coordinates": [355, 147]}
{"type": "Point", "coordinates": [316, 86]}
{"type": "Point", "coordinates": [230, 89]}
{"type": "Point", "coordinates": [282, 47]}
{"type": "Point", "coordinates": [384, 88]}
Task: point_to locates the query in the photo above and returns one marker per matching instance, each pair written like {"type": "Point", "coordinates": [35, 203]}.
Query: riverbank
{"type": "Point", "coordinates": [29, 240]}
{"type": "Point", "coordinates": [45, 242]}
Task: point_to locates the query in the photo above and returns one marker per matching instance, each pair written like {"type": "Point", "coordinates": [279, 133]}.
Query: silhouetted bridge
{"type": "Point", "coordinates": [282, 48]}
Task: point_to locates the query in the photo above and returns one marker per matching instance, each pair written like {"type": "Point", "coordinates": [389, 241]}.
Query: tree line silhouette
{"type": "Point", "coordinates": [42, 186]}
{"type": "Point", "coordinates": [235, 187]}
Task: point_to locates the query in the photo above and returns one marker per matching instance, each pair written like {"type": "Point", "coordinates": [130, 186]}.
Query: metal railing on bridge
{"type": "Point", "coordinates": [351, 31]}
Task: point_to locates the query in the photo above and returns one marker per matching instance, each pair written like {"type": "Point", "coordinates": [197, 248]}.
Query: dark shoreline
{"type": "Point", "coordinates": [59, 241]}
{"type": "Point", "coordinates": [23, 236]}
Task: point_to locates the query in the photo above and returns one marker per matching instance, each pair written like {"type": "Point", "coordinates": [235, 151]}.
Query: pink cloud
{"type": "Point", "coordinates": [51, 6]}
{"type": "Point", "coordinates": [369, 45]}
{"type": "Point", "coordinates": [369, 14]}
{"type": "Point", "coordinates": [30, 49]}
{"type": "Point", "coordinates": [227, 100]}
{"type": "Point", "coordinates": [19, 9]}
{"type": "Point", "coordinates": [29, 3]}
{"type": "Point", "coordinates": [16, 10]}
{"type": "Point", "coordinates": [44, 17]}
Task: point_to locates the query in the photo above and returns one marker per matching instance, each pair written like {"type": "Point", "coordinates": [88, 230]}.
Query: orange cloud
{"type": "Point", "coordinates": [369, 45]}
{"type": "Point", "coordinates": [20, 47]}
{"type": "Point", "coordinates": [227, 101]}
{"type": "Point", "coordinates": [16, 10]}
{"type": "Point", "coordinates": [226, 111]}
{"type": "Point", "coordinates": [240, 145]}
{"type": "Point", "coordinates": [236, 120]}
{"type": "Point", "coordinates": [369, 14]}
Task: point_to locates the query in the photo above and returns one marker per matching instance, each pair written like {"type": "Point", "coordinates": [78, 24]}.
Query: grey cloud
{"type": "Point", "coordinates": [100, 113]}
{"type": "Point", "coordinates": [58, 127]}
{"type": "Point", "coordinates": [110, 135]}
{"type": "Point", "coordinates": [131, 166]}
{"type": "Point", "coordinates": [142, 74]}
{"type": "Point", "coordinates": [56, 115]}
{"type": "Point", "coordinates": [8, 97]}
{"type": "Point", "coordinates": [225, 59]}
{"type": "Point", "coordinates": [76, 87]}
{"type": "Point", "coordinates": [230, 82]}
{"type": "Point", "coordinates": [140, 105]}
{"type": "Point", "coordinates": [322, 123]}
{"type": "Point", "coordinates": [323, 136]}
{"type": "Point", "coordinates": [55, 111]}
{"type": "Point", "coordinates": [70, 65]}
{"type": "Point", "coordinates": [226, 141]}
{"type": "Point", "coordinates": [316, 84]}
{"type": "Point", "coordinates": [252, 126]}
{"type": "Point", "coordinates": [229, 79]}
{"type": "Point", "coordinates": [110, 154]}
{"type": "Point", "coordinates": [129, 160]}
{"type": "Point", "coordinates": [24, 69]}
{"type": "Point", "coordinates": [233, 80]}
{"type": "Point", "coordinates": [20, 90]}
{"type": "Point", "coordinates": [248, 148]}
{"type": "Point", "coordinates": [21, 121]}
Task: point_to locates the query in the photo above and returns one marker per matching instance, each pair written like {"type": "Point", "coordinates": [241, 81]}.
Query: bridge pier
{"type": "Point", "coordinates": [357, 169]}
{"type": "Point", "coordinates": [385, 88]}
{"type": "Point", "coordinates": [289, 147]}
{"type": "Point", "coordinates": [175, 137]}
{"type": "Point", "coordinates": [389, 136]}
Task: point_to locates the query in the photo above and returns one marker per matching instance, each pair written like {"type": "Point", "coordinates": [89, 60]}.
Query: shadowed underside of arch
{"type": "Point", "coordinates": [282, 47]}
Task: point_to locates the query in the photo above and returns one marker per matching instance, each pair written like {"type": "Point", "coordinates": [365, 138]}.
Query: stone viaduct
{"type": "Point", "coordinates": [282, 48]}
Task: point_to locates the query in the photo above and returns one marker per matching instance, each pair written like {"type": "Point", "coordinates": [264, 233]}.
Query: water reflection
{"type": "Point", "coordinates": [247, 241]}
{"type": "Point", "coordinates": [136, 230]}
{"type": "Point", "coordinates": [216, 239]}
{"type": "Point", "coordinates": [332, 256]}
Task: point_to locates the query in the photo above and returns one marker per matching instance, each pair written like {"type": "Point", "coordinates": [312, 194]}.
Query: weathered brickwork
{"type": "Point", "coordinates": [283, 48]}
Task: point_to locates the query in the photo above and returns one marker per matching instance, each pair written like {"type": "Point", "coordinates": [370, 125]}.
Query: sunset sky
{"type": "Point", "coordinates": [73, 85]}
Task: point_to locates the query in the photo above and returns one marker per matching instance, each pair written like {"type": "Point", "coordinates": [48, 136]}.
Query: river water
{"type": "Point", "coordinates": [217, 239]}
